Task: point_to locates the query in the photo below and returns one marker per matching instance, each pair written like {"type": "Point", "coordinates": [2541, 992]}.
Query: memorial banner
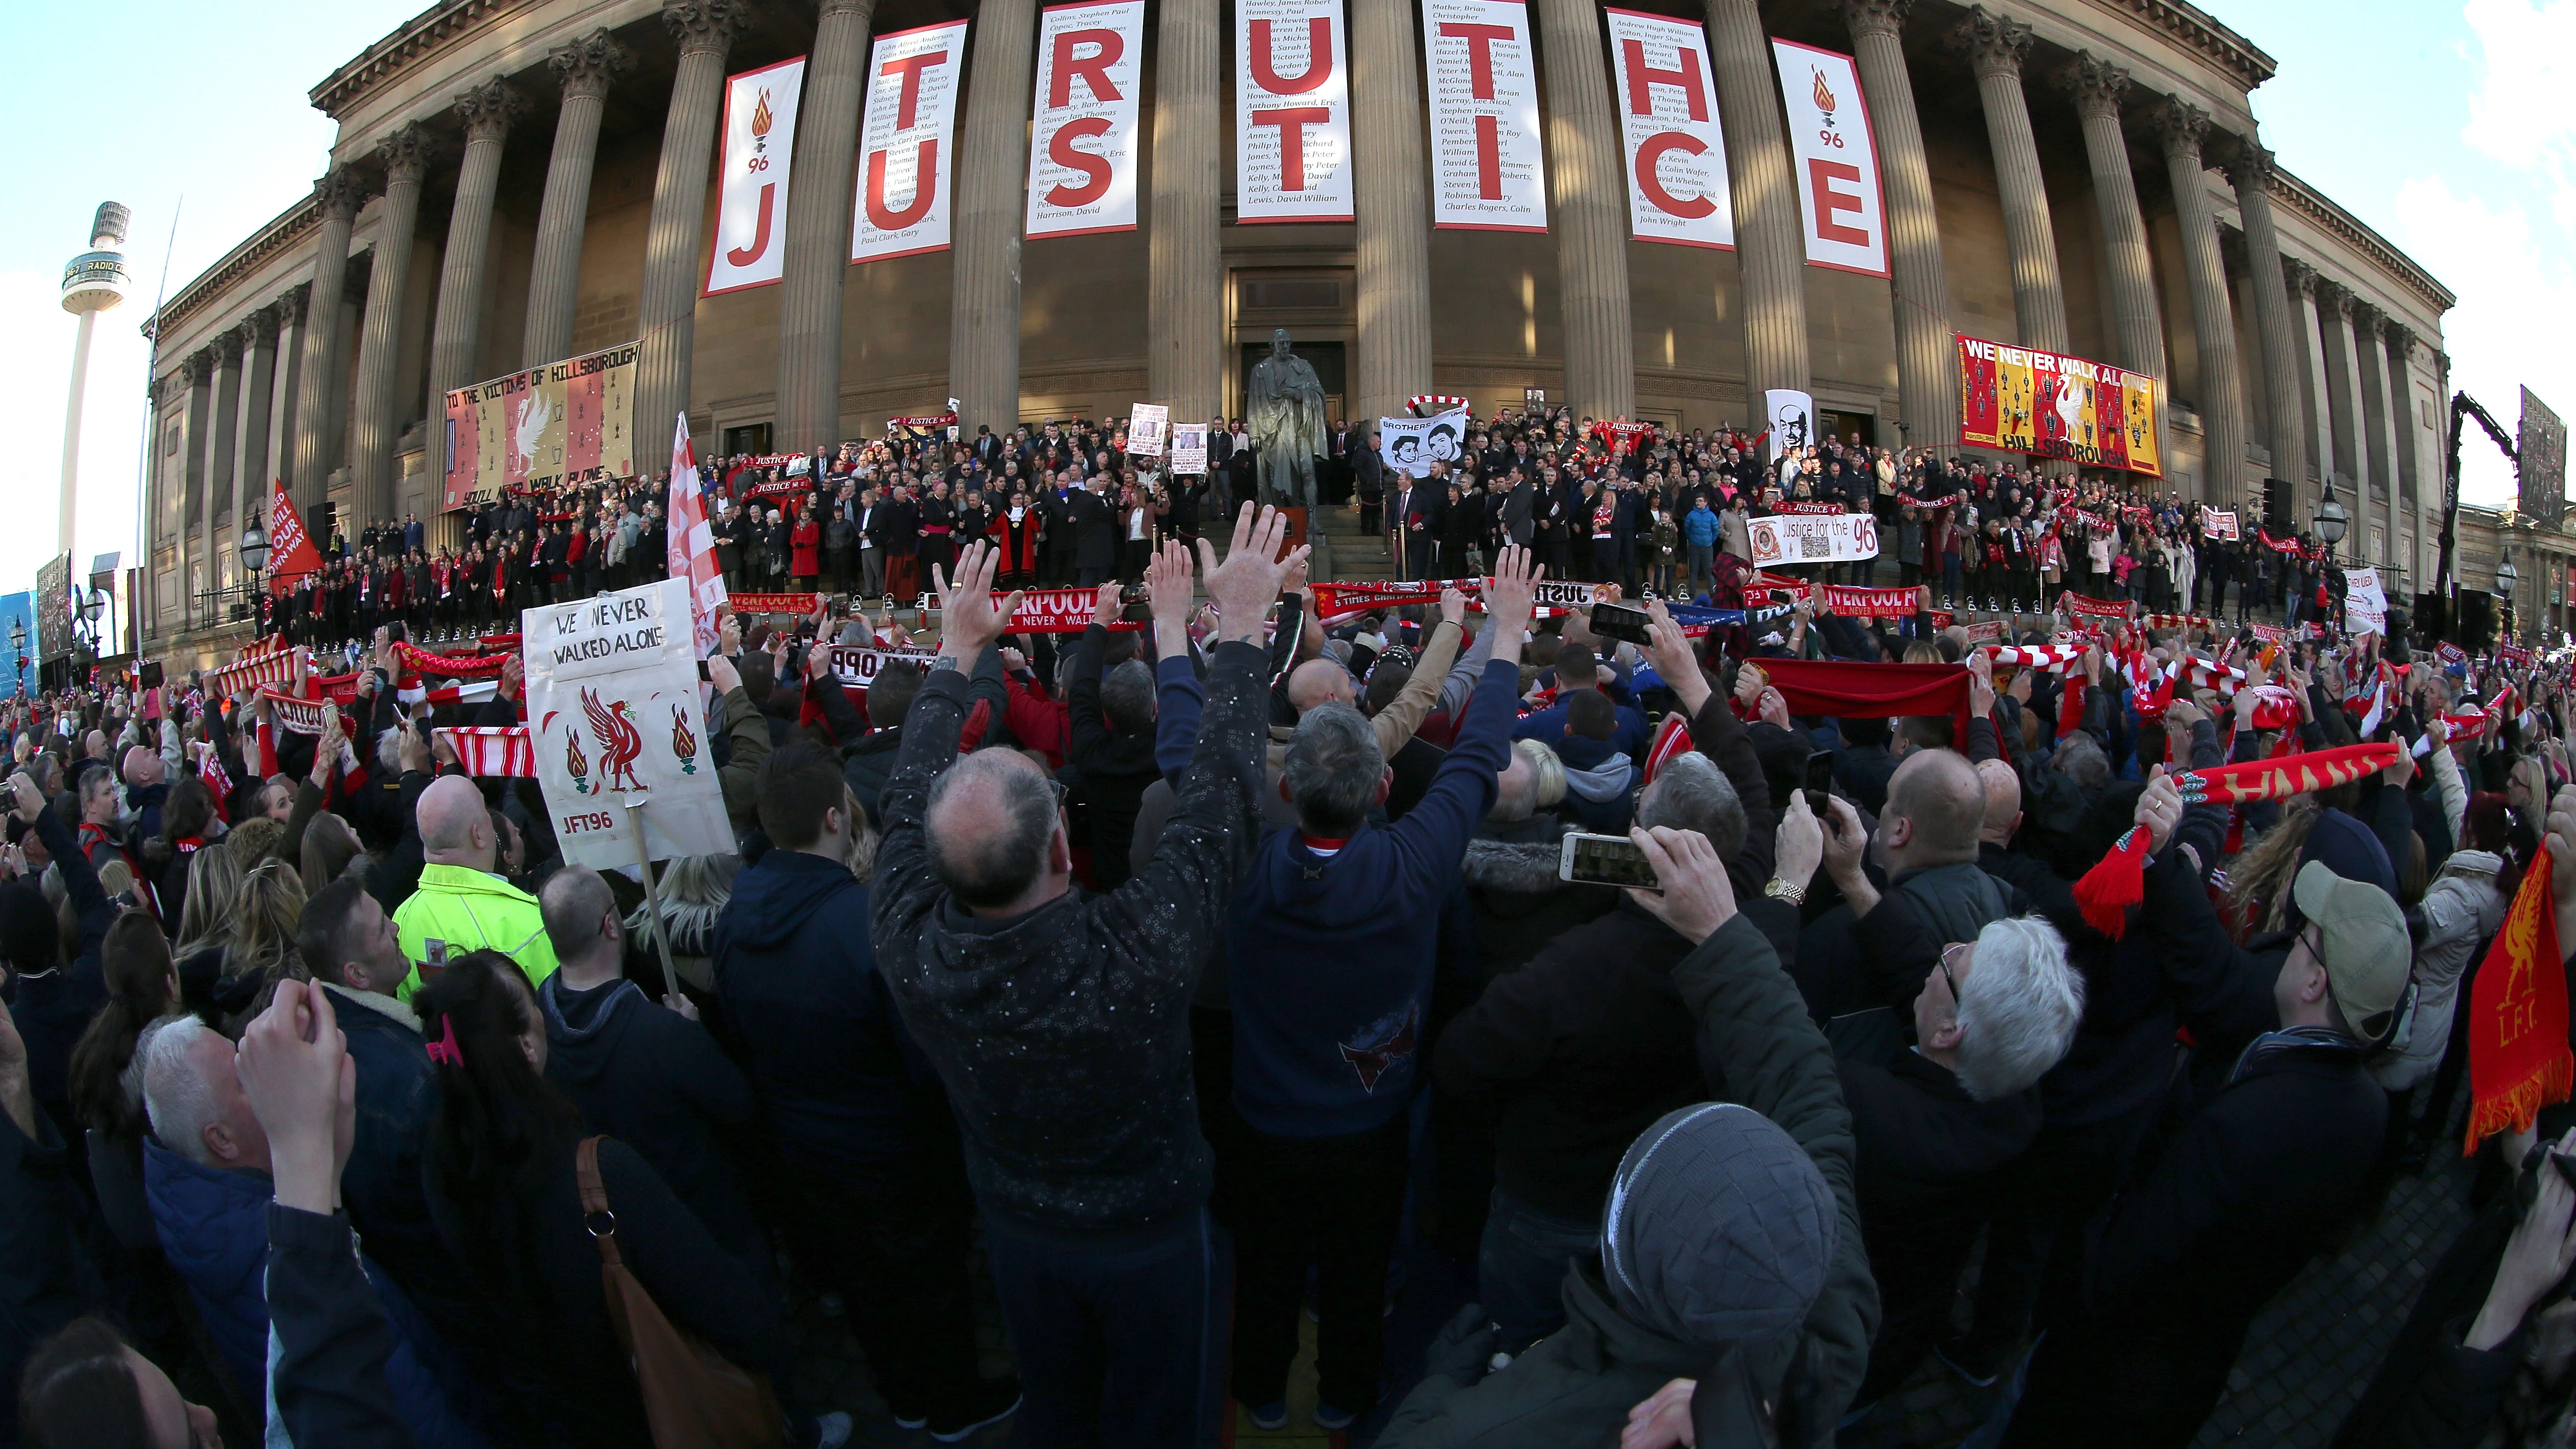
{"type": "Point", "coordinates": [291, 552]}
{"type": "Point", "coordinates": [615, 718]}
{"type": "Point", "coordinates": [1189, 448]}
{"type": "Point", "coordinates": [751, 187]}
{"type": "Point", "coordinates": [1792, 418]}
{"type": "Point", "coordinates": [565, 422]}
{"type": "Point", "coordinates": [1292, 112]}
{"type": "Point", "coordinates": [1674, 155]}
{"type": "Point", "coordinates": [2218, 523]}
{"type": "Point", "coordinates": [2365, 604]}
{"type": "Point", "coordinates": [1149, 426]}
{"type": "Point", "coordinates": [1813, 539]}
{"type": "Point", "coordinates": [2022, 400]}
{"type": "Point", "coordinates": [1411, 445]}
{"type": "Point", "coordinates": [1488, 160]}
{"type": "Point", "coordinates": [1083, 122]}
{"type": "Point", "coordinates": [907, 142]}
{"type": "Point", "coordinates": [1835, 159]}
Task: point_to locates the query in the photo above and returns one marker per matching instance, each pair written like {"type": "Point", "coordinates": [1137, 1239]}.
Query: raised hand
{"type": "Point", "coordinates": [969, 616]}
{"type": "Point", "coordinates": [1694, 895]}
{"type": "Point", "coordinates": [1245, 584]}
{"type": "Point", "coordinates": [301, 1083]}
{"type": "Point", "coordinates": [1512, 594]}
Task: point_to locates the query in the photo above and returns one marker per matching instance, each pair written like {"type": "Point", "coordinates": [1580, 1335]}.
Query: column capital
{"type": "Point", "coordinates": [196, 369]}
{"type": "Point", "coordinates": [2337, 296]}
{"type": "Point", "coordinates": [2096, 84]}
{"type": "Point", "coordinates": [703, 26]}
{"type": "Point", "coordinates": [488, 109]}
{"type": "Point", "coordinates": [227, 347]}
{"type": "Point", "coordinates": [405, 154]}
{"type": "Point", "coordinates": [2251, 167]}
{"type": "Point", "coordinates": [259, 329]}
{"type": "Point", "coordinates": [2406, 340]}
{"type": "Point", "coordinates": [590, 65]}
{"type": "Point", "coordinates": [1886, 17]}
{"type": "Point", "coordinates": [290, 305]}
{"type": "Point", "coordinates": [2180, 125]}
{"type": "Point", "coordinates": [2366, 317]}
{"type": "Point", "coordinates": [1994, 44]}
{"type": "Point", "coordinates": [340, 193]}
{"type": "Point", "coordinates": [2302, 277]}
{"type": "Point", "coordinates": [831, 8]}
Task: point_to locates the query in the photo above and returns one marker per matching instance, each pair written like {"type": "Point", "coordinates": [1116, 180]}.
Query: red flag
{"type": "Point", "coordinates": [2518, 1056]}
{"type": "Point", "coordinates": [291, 554]}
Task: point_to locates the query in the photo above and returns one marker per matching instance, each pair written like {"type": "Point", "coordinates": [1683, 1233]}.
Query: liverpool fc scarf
{"type": "Point", "coordinates": [1872, 691]}
{"type": "Point", "coordinates": [2518, 1056]}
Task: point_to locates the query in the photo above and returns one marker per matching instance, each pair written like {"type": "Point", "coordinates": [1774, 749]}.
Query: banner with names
{"type": "Point", "coordinates": [907, 141]}
{"type": "Point", "coordinates": [759, 137]}
{"type": "Point", "coordinates": [1812, 538]}
{"type": "Point", "coordinates": [1488, 160]}
{"type": "Point", "coordinates": [1834, 159]}
{"type": "Point", "coordinates": [1083, 120]}
{"type": "Point", "coordinates": [1675, 156]}
{"type": "Point", "coordinates": [615, 719]}
{"type": "Point", "coordinates": [1292, 112]}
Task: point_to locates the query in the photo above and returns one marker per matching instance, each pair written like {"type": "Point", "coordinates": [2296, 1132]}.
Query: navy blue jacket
{"type": "Point", "coordinates": [53, 1009]}
{"type": "Point", "coordinates": [800, 989]}
{"type": "Point", "coordinates": [1331, 958]}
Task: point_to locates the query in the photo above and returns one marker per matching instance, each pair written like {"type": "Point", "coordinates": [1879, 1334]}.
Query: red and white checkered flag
{"type": "Point", "coordinates": [692, 548]}
{"type": "Point", "coordinates": [505, 750]}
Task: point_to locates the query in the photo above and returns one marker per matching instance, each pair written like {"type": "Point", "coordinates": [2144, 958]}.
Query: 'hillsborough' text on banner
{"type": "Point", "coordinates": [2023, 400]}
{"type": "Point", "coordinates": [565, 422]}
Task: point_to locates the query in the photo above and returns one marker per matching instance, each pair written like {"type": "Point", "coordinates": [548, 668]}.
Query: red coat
{"type": "Point", "coordinates": [1018, 542]}
{"type": "Point", "coordinates": [806, 542]}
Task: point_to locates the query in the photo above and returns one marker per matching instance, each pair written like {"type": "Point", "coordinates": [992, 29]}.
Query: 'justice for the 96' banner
{"type": "Point", "coordinates": [1813, 538]}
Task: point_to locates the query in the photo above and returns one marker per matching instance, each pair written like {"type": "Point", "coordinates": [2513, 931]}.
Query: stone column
{"type": "Point", "coordinates": [2097, 86]}
{"type": "Point", "coordinates": [2342, 386]}
{"type": "Point", "coordinates": [2370, 351]}
{"type": "Point", "coordinates": [992, 192]}
{"type": "Point", "coordinates": [2252, 173]}
{"type": "Point", "coordinates": [2317, 418]}
{"type": "Point", "coordinates": [223, 420]}
{"type": "Point", "coordinates": [817, 259]}
{"type": "Point", "coordinates": [2180, 125]}
{"type": "Point", "coordinates": [667, 301]}
{"type": "Point", "coordinates": [1591, 222]}
{"type": "Point", "coordinates": [2401, 392]}
{"type": "Point", "coordinates": [1770, 232]}
{"type": "Point", "coordinates": [587, 68]}
{"type": "Point", "coordinates": [250, 435]}
{"type": "Point", "coordinates": [197, 375]}
{"type": "Point", "coordinates": [1996, 45]}
{"type": "Point", "coordinates": [1927, 360]}
{"type": "Point", "coordinates": [340, 194]}
{"type": "Point", "coordinates": [456, 333]}
{"type": "Point", "coordinates": [1392, 179]}
{"type": "Point", "coordinates": [1185, 270]}
{"type": "Point", "coordinates": [374, 421]}
{"type": "Point", "coordinates": [289, 311]}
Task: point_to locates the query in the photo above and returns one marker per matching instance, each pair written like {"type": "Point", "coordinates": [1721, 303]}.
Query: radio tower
{"type": "Point", "coordinates": [93, 282]}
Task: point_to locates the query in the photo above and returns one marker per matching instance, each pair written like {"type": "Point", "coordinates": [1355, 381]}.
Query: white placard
{"type": "Point", "coordinates": [1411, 445]}
{"type": "Point", "coordinates": [1836, 159]}
{"type": "Point", "coordinates": [1791, 418]}
{"type": "Point", "coordinates": [615, 719]}
{"type": "Point", "coordinates": [907, 141]}
{"type": "Point", "coordinates": [1812, 538]}
{"type": "Point", "coordinates": [1189, 448]}
{"type": "Point", "coordinates": [751, 196]}
{"type": "Point", "coordinates": [1292, 112]}
{"type": "Point", "coordinates": [1082, 131]}
{"type": "Point", "coordinates": [2365, 603]}
{"type": "Point", "coordinates": [2218, 523]}
{"type": "Point", "coordinates": [1148, 425]}
{"type": "Point", "coordinates": [1672, 148]}
{"type": "Point", "coordinates": [1488, 160]}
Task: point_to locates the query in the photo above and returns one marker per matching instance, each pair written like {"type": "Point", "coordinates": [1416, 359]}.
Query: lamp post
{"type": "Point", "coordinates": [2506, 576]}
{"type": "Point", "coordinates": [2331, 521]}
{"type": "Point", "coordinates": [18, 646]}
{"type": "Point", "coordinates": [254, 557]}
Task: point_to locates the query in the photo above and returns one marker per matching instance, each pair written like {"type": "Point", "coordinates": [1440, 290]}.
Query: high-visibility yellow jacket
{"type": "Point", "coordinates": [466, 910]}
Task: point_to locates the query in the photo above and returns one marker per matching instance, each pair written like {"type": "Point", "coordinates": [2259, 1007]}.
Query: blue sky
{"type": "Point", "coordinates": [2445, 124]}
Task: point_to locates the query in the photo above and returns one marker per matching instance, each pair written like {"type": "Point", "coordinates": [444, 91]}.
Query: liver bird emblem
{"type": "Point", "coordinates": [620, 743]}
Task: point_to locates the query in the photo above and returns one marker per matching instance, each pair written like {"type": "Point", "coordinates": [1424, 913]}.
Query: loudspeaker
{"type": "Point", "coordinates": [2476, 626]}
{"type": "Point", "coordinates": [2432, 617]}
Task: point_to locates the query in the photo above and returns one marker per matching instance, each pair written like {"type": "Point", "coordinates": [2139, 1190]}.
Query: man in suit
{"type": "Point", "coordinates": [1095, 531]}
{"type": "Point", "coordinates": [1517, 507]}
{"type": "Point", "coordinates": [866, 513]}
{"type": "Point", "coordinates": [1368, 475]}
{"type": "Point", "coordinates": [1401, 530]}
{"type": "Point", "coordinates": [1055, 501]}
{"type": "Point", "coordinates": [412, 535]}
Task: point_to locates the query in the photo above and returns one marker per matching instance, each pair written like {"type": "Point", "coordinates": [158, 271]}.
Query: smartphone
{"type": "Point", "coordinates": [1620, 621]}
{"type": "Point", "coordinates": [1135, 594]}
{"type": "Point", "coordinates": [1820, 783]}
{"type": "Point", "coordinates": [1283, 639]}
{"type": "Point", "coordinates": [1612, 860]}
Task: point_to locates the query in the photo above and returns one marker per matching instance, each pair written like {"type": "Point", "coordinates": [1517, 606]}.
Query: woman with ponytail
{"type": "Point", "coordinates": [186, 818]}
{"type": "Point", "coordinates": [107, 1076]}
{"type": "Point", "coordinates": [500, 1169]}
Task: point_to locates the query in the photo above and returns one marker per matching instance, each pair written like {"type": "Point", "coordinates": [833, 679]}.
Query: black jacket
{"type": "Point", "coordinates": [53, 1007]}
{"type": "Point", "coordinates": [1063, 1033]}
{"type": "Point", "coordinates": [1519, 903]}
{"type": "Point", "coordinates": [646, 1075]}
{"type": "Point", "coordinates": [1095, 530]}
{"type": "Point", "coordinates": [1115, 765]}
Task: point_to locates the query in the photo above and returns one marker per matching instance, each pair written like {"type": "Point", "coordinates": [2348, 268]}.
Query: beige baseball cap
{"type": "Point", "coordinates": [2363, 943]}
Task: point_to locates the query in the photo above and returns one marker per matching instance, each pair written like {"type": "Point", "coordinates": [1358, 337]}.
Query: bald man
{"type": "Point", "coordinates": [1325, 681]}
{"type": "Point", "coordinates": [461, 905]}
{"type": "Point", "coordinates": [1929, 844]}
{"type": "Point", "coordinates": [2003, 803]}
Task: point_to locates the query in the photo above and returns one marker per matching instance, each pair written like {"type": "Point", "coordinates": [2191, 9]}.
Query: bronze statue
{"type": "Point", "coordinates": [1287, 417]}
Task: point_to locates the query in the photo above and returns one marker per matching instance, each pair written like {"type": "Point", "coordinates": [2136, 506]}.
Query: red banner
{"type": "Point", "coordinates": [2083, 607]}
{"type": "Point", "coordinates": [1793, 505]}
{"type": "Point", "coordinates": [748, 604]}
{"type": "Point", "coordinates": [291, 553]}
{"type": "Point", "coordinates": [1058, 611]}
{"type": "Point", "coordinates": [1858, 603]}
{"type": "Point", "coordinates": [2518, 1056]}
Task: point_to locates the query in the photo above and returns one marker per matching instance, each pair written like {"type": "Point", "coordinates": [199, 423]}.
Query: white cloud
{"type": "Point", "coordinates": [2519, 111]}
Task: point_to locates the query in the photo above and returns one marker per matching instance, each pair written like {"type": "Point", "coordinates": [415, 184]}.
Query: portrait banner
{"type": "Point", "coordinates": [1791, 416]}
{"type": "Point", "coordinates": [615, 718]}
{"type": "Point", "coordinates": [1812, 538]}
{"type": "Point", "coordinates": [759, 138]}
{"type": "Point", "coordinates": [1083, 120]}
{"type": "Point", "coordinates": [1148, 427]}
{"type": "Point", "coordinates": [1411, 445]}
{"type": "Point", "coordinates": [1189, 449]}
{"type": "Point", "coordinates": [1488, 160]}
{"type": "Point", "coordinates": [1674, 155]}
{"type": "Point", "coordinates": [1292, 112]}
{"type": "Point", "coordinates": [2020, 399]}
{"type": "Point", "coordinates": [907, 142]}
{"type": "Point", "coordinates": [1834, 158]}
{"type": "Point", "coordinates": [565, 422]}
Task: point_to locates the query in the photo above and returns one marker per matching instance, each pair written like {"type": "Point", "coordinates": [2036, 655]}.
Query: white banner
{"type": "Point", "coordinates": [1411, 445]}
{"type": "Point", "coordinates": [1837, 159]}
{"type": "Point", "coordinates": [1148, 426]}
{"type": "Point", "coordinates": [1813, 538]}
{"type": "Point", "coordinates": [2365, 603]}
{"type": "Point", "coordinates": [1189, 448]}
{"type": "Point", "coordinates": [1674, 154]}
{"type": "Point", "coordinates": [613, 700]}
{"type": "Point", "coordinates": [1292, 112]}
{"type": "Point", "coordinates": [1791, 418]}
{"type": "Point", "coordinates": [1082, 132]}
{"type": "Point", "coordinates": [856, 665]}
{"type": "Point", "coordinates": [907, 137]}
{"type": "Point", "coordinates": [751, 196]}
{"type": "Point", "coordinates": [1488, 161]}
{"type": "Point", "coordinates": [2218, 523]}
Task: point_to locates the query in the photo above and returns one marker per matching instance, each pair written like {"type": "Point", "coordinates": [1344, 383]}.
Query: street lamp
{"type": "Point", "coordinates": [18, 646]}
{"type": "Point", "coordinates": [254, 557]}
{"type": "Point", "coordinates": [2331, 520]}
{"type": "Point", "coordinates": [2506, 576]}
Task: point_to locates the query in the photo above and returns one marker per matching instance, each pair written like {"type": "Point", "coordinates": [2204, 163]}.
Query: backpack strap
{"type": "Point", "coordinates": [595, 1215]}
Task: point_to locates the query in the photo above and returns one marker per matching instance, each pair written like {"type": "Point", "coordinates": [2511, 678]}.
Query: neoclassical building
{"type": "Point", "coordinates": [521, 181]}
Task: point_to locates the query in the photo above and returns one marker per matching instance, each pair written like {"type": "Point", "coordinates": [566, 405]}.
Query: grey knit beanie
{"type": "Point", "coordinates": [1719, 1227]}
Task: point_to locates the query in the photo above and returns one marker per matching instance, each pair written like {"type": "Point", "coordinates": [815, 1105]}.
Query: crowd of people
{"type": "Point", "coordinates": [1193, 975]}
